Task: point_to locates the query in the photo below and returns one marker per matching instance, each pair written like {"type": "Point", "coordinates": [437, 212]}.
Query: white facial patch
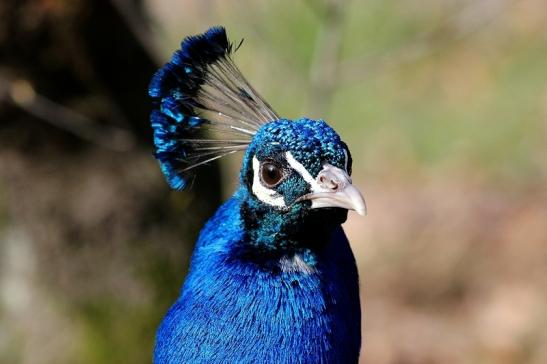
{"type": "Point", "coordinates": [264, 194]}
{"type": "Point", "coordinates": [298, 167]}
{"type": "Point", "coordinates": [314, 185]}
{"type": "Point", "coordinates": [331, 186]}
{"type": "Point", "coordinates": [295, 265]}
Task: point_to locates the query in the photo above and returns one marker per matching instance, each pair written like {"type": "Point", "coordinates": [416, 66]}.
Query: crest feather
{"type": "Point", "coordinates": [201, 89]}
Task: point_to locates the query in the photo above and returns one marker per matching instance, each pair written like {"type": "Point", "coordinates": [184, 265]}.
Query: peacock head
{"type": "Point", "coordinates": [298, 166]}
{"type": "Point", "coordinates": [294, 172]}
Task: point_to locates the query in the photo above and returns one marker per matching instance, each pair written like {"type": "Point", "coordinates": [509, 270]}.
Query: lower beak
{"type": "Point", "coordinates": [348, 197]}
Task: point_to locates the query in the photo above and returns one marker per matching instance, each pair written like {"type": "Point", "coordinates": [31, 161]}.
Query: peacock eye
{"type": "Point", "coordinates": [270, 174]}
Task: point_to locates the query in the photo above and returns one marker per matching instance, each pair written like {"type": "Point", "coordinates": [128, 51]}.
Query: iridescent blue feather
{"type": "Point", "coordinates": [268, 283]}
{"type": "Point", "coordinates": [201, 89]}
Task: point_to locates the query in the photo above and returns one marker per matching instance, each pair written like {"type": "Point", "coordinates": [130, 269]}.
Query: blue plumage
{"type": "Point", "coordinates": [272, 278]}
{"type": "Point", "coordinates": [235, 310]}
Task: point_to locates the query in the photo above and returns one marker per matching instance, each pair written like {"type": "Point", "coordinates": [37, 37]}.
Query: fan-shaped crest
{"type": "Point", "coordinates": [201, 89]}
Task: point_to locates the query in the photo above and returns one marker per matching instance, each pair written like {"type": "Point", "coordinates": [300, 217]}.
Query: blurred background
{"type": "Point", "coordinates": [442, 102]}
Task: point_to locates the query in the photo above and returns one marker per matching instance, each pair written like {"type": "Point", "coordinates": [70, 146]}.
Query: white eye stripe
{"type": "Point", "coordinates": [301, 170]}
{"type": "Point", "coordinates": [346, 159]}
{"type": "Point", "coordinates": [272, 197]}
{"type": "Point", "coordinates": [314, 185]}
{"type": "Point", "coordinates": [298, 167]}
{"type": "Point", "coordinates": [265, 194]}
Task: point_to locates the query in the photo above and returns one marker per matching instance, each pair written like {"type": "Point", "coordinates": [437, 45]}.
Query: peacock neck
{"type": "Point", "coordinates": [272, 234]}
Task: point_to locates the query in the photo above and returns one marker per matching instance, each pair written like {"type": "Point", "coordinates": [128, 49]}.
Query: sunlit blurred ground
{"type": "Point", "coordinates": [444, 106]}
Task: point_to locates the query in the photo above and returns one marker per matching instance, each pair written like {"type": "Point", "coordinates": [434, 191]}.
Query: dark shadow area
{"type": "Point", "coordinates": [81, 196]}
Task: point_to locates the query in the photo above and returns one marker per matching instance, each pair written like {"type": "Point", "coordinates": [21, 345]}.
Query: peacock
{"type": "Point", "coordinates": [272, 278]}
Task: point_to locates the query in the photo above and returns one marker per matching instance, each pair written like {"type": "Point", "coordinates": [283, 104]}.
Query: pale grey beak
{"type": "Point", "coordinates": [333, 188]}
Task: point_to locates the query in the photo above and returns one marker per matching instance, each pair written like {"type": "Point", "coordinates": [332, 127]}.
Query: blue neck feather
{"type": "Point", "coordinates": [273, 234]}
{"type": "Point", "coordinates": [298, 307]}
{"type": "Point", "coordinates": [270, 285]}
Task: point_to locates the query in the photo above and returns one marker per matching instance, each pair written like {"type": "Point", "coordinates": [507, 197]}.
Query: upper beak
{"type": "Point", "coordinates": [333, 188]}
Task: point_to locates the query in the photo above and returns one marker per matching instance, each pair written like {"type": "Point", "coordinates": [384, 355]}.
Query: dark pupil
{"type": "Point", "coordinates": [271, 174]}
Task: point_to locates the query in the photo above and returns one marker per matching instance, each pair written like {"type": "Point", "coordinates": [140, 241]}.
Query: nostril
{"type": "Point", "coordinates": [332, 179]}
{"type": "Point", "coordinates": [328, 182]}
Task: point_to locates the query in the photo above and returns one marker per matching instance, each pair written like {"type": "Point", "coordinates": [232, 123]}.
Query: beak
{"type": "Point", "coordinates": [333, 188]}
